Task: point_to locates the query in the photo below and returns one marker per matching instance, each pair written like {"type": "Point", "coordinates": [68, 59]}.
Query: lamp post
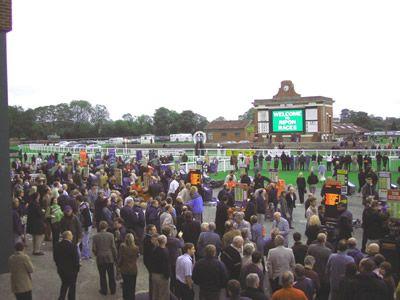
{"type": "Point", "coordinates": [6, 232]}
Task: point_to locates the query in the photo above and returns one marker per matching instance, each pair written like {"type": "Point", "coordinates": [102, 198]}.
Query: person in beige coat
{"type": "Point", "coordinates": [104, 249]}
{"type": "Point", "coordinates": [20, 266]}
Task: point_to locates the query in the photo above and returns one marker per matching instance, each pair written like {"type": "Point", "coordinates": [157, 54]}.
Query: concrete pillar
{"type": "Point", "coordinates": [6, 232]}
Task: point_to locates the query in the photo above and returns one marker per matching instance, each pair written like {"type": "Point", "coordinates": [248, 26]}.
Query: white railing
{"type": "Point", "coordinates": [392, 153]}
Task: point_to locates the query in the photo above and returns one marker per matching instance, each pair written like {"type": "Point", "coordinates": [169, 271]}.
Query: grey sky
{"type": "Point", "coordinates": [212, 56]}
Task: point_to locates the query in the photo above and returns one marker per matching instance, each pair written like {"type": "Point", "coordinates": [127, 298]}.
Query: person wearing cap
{"type": "Point", "coordinates": [70, 222]}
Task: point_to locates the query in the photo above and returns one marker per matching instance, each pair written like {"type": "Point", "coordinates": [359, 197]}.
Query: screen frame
{"type": "Point", "coordinates": [271, 125]}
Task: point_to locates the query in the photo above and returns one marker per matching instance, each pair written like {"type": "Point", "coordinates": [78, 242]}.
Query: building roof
{"type": "Point", "coordinates": [347, 128]}
{"type": "Point", "coordinates": [223, 125]}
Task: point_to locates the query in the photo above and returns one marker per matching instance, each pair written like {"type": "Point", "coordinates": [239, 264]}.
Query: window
{"type": "Point", "coordinates": [223, 134]}
{"type": "Point", "coordinates": [237, 134]}
{"type": "Point", "coordinates": [210, 136]}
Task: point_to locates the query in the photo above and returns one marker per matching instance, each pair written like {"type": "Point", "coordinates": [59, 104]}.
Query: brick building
{"type": "Point", "coordinates": [223, 131]}
{"type": "Point", "coordinates": [290, 117]}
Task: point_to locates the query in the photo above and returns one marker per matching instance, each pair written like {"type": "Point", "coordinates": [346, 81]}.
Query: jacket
{"type": "Point", "coordinates": [321, 254]}
{"type": "Point", "coordinates": [85, 216]}
{"type": "Point", "coordinates": [66, 258]}
{"type": "Point", "coordinates": [56, 213]}
{"type": "Point", "coordinates": [196, 204]}
{"type": "Point", "coordinates": [104, 248]}
{"type": "Point", "coordinates": [20, 267]}
{"type": "Point", "coordinates": [279, 260]}
{"type": "Point", "coordinates": [210, 274]}
{"type": "Point", "coordinates": [127, 259]}
{"type": "Point", "coordinates": [72, 224]}
{"type": "Point", "coordinates": [233, 262]}
{"type": "Point", "coordinates": [35, 222]}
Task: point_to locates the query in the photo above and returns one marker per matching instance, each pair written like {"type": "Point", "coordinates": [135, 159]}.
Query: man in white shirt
{"type": "Point", "coordinates": [173, 186]}
{"type": "Point", "coordinates": [184, 268]}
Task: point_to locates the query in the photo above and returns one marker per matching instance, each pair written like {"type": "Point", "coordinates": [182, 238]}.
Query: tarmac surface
{"type": "Point", "coordinates": [46, 283]}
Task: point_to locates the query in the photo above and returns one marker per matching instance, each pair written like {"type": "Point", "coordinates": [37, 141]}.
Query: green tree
{"type": "Point", "coordinates": [248, 115]}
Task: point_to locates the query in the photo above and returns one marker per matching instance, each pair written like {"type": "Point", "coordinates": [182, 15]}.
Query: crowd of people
{"type": "Point", "coordinates": [156, 213]}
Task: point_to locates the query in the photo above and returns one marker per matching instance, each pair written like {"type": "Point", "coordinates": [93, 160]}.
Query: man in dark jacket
{"type": "Point", "coordinates": [252, 289]}
{"type": "Point", "coordinates": [66, 258]}
{"type": "Point", "coordinates": [259, 181]}
{"type": "Point", "coordinates": [368, 285]}
{"type": "Point", "coordinates": [299, 249]}
{"type": "Point", "coordinates": [127, 214]}
{"type": "Point", "coordinates": [210, 274]}
{"type": "Point", "coordinates": [231, 257]}
{"type": "Point", "coordinates": [138, 227]}
{"type": "Point", "coordinates": [372, 224]}
{"type": "Point", "coordinates": [153, 214]}
{"type": "Point", "coordinates": [221, 216]}
{"type": "Point", "coordinates": [71, 223]}
{"type": "Point", "coordinates": [149, 242]}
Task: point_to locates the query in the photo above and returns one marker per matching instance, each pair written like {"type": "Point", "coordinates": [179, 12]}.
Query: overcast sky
{"type": "Point", "coordinates": [211, 56]}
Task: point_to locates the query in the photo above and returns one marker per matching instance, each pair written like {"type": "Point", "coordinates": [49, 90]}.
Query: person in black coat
{"type": "Point", "coordinates": [191, 229]}
{"type": "Point", "coordinates": [348, 281]}
{"type": "Point", "coordinates": [251, 209]}
{"type": "Point", "coordinates": [66, 258]}
{"type": "Point", "coordinates": [231, 257]}
{"type": "Point", "coordinates": [36, 223]}
{"type": "Point", "coordinates": [368, 285]}
{"type": "Point", "coordinates": [301, 186]}
{"type": "Point", "coordinates": [221, 216]}
{"type": "Point", "coordinates": [361, 179]}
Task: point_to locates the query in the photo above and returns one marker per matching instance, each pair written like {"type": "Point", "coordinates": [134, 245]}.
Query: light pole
{"type": "Point", "coordinates": [6, 232]}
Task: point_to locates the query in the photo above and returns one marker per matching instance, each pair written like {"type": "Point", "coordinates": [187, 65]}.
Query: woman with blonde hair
{"type": "Point", "coordinates": [127, 263]}
{"type": "Point", "coordinates": [313, 228]}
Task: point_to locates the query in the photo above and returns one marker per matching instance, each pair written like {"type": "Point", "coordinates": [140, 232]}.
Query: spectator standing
{"type": "Point", "coordinates": [21, 268]}
{"type": "Point", "coordinates": [303, 283]}
{"type": "Point", "coordinates": [283, 226]}
{"type": "Point", "coordinates": [104, 249]}
{"type": "Point", "coordinates": [232, 257]}
{"type": "Point", "coordinates": [210, 274]}
{"type": "Point", "coordinates": [336, 268]}
{"type": "Point", "coordinates": [288, 291]}
{"type": "Point", "coordinates": [127, 264]}
{"type": "Point", "coordinates": [279, 260]}
{"type": "Point", "coordinates": [35, 223]}
{"type": "Point", "coordinates": [67, 261]}
{"type": "Point", "coordinates": [161, 270]}
{"type": "Point", "coordinates": [299, 249]}
{"type": "Point", "coordinates": [184, 269]}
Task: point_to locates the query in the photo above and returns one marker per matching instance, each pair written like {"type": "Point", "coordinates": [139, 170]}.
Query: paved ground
{"type": "Point", "coordinates": [46, 283]}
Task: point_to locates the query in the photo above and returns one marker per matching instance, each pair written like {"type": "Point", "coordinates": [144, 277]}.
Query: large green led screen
{"type": "Point", "coordinates": [287, 120]}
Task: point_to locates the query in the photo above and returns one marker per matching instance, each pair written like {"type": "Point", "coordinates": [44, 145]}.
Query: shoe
{"type": "Point", "coordinates": [38, 253]}
{"type": "Point", "coordinates": [103, 293]}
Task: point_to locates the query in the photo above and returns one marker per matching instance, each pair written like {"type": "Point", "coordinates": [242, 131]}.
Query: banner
{"type": "Point", "coordinates": [250, 153]}
{"type": "Point", "coordinates": [97, 158]}
{"type": "Point", "coordinates": [112, 156]}
{"type": "Point", "coordinates": [384, 182]}
{"type": "Point", "coordinates": [342, 176]}
{"type": "Point", "coordinates": [393, 202]}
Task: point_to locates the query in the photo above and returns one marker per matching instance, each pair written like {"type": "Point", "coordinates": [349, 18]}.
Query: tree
{"type": "Point", "coordinates": [81, 111]}
{"type": "Point", "coordinates": [99, 116]}
{"type": "Point", "coordinates": [165, 121]}
{"type": "Point", "coordinates": [127, 117]}
{"type": "Point", "coordinates": [393, 126]}
{"type": "Point", "coordinates": [220, 119]}
{"type": "Point", "coordinates": [248, 115]}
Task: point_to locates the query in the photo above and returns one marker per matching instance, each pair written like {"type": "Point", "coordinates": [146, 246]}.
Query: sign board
{"type": "Point", "coordinates": [112, 156]}
{"type": "Point", "coordinates": [195, 177]}
{"type": "Point", "coordinates": [118, 176]}
{"type": "Point", "coordinates": [333, 195]}
{"type": "Point", "coordinates": [393, 202]}
{"type": "Point", "coordinates": [97, 158]}
{"type": "Point", "coordinates": [287, 120]}
{"type": "Point", "coordinates": [342, 176]}
{"type": "Point", "coordinates": [384, 182]}
{"type": "Point", "coordinates": [273, 175]}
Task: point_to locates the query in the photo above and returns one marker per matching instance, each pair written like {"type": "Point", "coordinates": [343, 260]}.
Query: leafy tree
{"type": "Point", "coordinates": [248, 115]}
